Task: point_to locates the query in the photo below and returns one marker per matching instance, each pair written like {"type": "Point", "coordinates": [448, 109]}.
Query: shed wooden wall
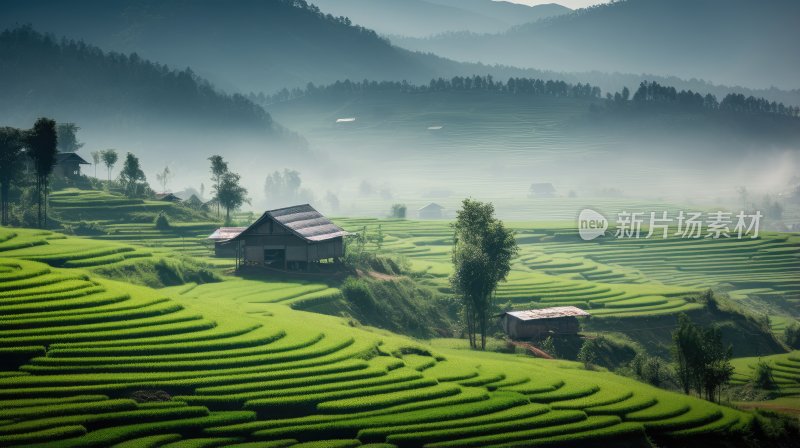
{"type": "Point", "coordinates": [530, 329]}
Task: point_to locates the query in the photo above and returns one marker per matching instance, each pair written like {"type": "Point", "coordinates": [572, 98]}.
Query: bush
{"type": "Point", "coordinates": [161, 222]}
{"type": "Point", "coordinates": [588, 353]}
{"type": "Point", "coordinates": [792, 335]}
{"type": "Point", "coordinates": [357, 292]}
{"type": "Point", "coordinates": [762, 376]}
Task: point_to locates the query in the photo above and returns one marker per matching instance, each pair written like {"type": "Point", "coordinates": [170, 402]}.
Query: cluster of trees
{"type": "Point", "coordinates": [653, 94]}
{"type": "Point", "coordinates": [516, 86]}
{"type": "Point", "coordinates": [482, 252]}
{"type": "Point", "coordinates": [314, 9]}
{"type": "Point", "coordinates": [26, 154]}
{"type": "Point", "coordinates": [227, 192]}
{"type": "Point", "coordinates": [285, 188]}
{"type": "Point", "coordinates": [702, 361]}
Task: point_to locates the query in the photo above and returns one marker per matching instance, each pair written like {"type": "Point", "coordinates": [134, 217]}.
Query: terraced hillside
{"type": "Point", "coordinates": [117, 218]}
{"type": "Point", "coordinates": [76, 348]}
{"type": "Point", "coordinates": [785, 370]}
{"type": "Point", "coordinates": [156, 265]}
{"type": "Point", "coordinates": [618, 277]}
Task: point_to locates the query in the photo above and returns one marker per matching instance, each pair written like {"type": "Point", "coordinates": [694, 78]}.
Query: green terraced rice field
{"type": "Point", "coordinates": [245, 368]}
{"type": "Point", "coordinates": [613, 277]}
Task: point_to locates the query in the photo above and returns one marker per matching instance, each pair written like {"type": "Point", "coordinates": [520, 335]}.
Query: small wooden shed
{"type": "Point", "coordinates": [289, 238]}
{"type": "Point", "coordinates": [68, 165]}
{"type": "Point", "coordinates": [534, 324]}
{"type": "Point", "coordinates": [430, 211]}
{"type": "Point", "coordinates": [222, 236]}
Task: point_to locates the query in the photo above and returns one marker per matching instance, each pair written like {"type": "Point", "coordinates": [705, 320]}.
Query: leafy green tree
{"type": "Point", "coordinates": [686, 348]}
{"type": "Point", "coordinates": [398, 211]}
{"type": "Point", "coordinates": [11, 151]}
{"type": "Point", "coordinates": [42, 143]}
{"type": "Point", "coordinates": [482, 252]}
{"type": "Point", "coordinates": [762, 376]}
{"type": "Point", "coordinates": [218, 168]}
{"type": "Point", "coordinates": [702, 361]}
{"type": "Point", "coordinates": [230, 194]}
{"type": "Point", "coordinates": [132, 177]}
{"type": "Point", "coordinates": [68, 137]}
{"type": "Point", "coordinates": [110, 158]}
{"type": "Point", "coordinates": [715, 369]}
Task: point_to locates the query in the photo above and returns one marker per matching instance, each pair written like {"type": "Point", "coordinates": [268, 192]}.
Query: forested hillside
{"type": "Point", "coordinates": [77, 82]}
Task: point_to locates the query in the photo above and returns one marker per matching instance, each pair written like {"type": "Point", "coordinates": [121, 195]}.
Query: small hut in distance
{"type": "Point", "coordinates": [534, 324]}
{"type": "Point", "coordinates": [68, 165]}
{"type": "Point", "coordinates": [430, 211]}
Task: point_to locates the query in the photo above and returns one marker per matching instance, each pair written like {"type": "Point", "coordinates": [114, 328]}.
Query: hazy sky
{"type": "Point", "coordinates": [574, 4]}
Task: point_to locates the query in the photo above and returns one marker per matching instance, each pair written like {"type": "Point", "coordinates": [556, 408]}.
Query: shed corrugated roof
{"type": "Point", "coordinates": [226, 233]}
{"type": "Point", "coordinates": [71, 157]}
{"type": "Point", "coordinates": [548, 313]}
{"type": "Point", "coordinates": [431, 206]}
{"type": "Point", "coordinates": [304, 221]}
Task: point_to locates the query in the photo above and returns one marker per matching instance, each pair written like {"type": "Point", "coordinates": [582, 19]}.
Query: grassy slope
{"type": "Point", "coordinates": [242, 369]}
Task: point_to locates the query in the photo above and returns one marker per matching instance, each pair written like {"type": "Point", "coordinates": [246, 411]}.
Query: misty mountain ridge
{"type": "Point", "coordinates": [731, 42]}
{"type": "Point", "coordinates": [253, 45]}
{"type": "Point", "coordinates": [422, 18]}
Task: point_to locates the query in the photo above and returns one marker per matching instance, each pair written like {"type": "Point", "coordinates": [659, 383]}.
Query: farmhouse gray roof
{"type": "Point", "coordinates": [548, 313]}
{"type": "Point", "coordinates": [432, 206]}
{"type": "Point", "coordinates": [302, 220]}
{"type": "Point", "coordinates": [226, 233]}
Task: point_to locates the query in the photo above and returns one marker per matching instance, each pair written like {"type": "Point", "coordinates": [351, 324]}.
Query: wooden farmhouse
{"type": "Point", "coordinates": [294, 238]}
{"type": "Point", "coordinates": [68, 165]}
{"type": "Point", "coordinates": [534, 324]}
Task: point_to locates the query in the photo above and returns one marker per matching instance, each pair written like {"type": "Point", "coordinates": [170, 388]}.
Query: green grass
{"type": "Point", "coordinates": [243, 366]}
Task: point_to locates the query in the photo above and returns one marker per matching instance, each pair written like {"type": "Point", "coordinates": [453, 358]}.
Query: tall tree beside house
{"type": "Point", "coordinates": [229, 194]}
{"type": "Point", "coordinates": [218, 168]}
{"type": "Point", "coordinates": [11, 151]}
{"type": "Point", "coordinates": [132, 177]}
{"type": "Point", "coordinates": [95, 161]}
{"type": "Point", "coordinates": [110, 158]}
{"type": "Point", "coordinates": [482, 252]}
{"type": "Point", "coordinates": [68, 137]}
{"type": "Point", "coordinates": [42, 143]}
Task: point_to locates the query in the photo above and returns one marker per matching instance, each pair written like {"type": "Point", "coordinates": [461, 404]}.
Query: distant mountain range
{"type": "Point", "coordinates": [263, 46]}
{"type": "Point", "coordinates": [731, 42]}
{"type": "Point", "coordinates": [242, 46]}
{"type": "Point", "coordinates": [422, 18]}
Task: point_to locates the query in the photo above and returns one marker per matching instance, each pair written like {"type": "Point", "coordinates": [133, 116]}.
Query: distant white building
{"type": "Point", "coordinates": [430, 211]}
